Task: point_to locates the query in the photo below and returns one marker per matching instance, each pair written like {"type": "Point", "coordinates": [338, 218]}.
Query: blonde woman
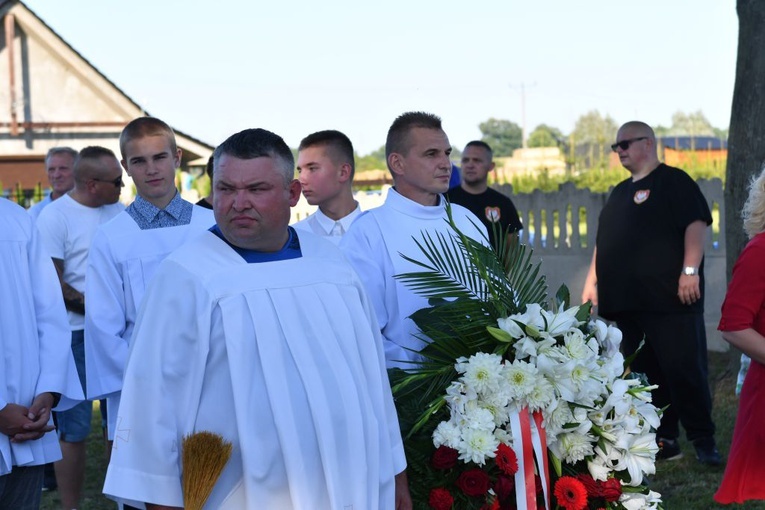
{"type": "Point", "coordinates": [743, 326]}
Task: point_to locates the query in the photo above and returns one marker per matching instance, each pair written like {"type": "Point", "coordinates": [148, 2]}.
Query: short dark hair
{"type": "Point", "coordinates": [84, 164]}
{"type": "Point", "coordinates": [146, 126]}
{"type": "Point", "coordinates": [209, 168]}
{"type": "Point", "coordinates": [55, 151]}
{"type": "Point", "coordinates": [481, 144]}
{"type": "Point", "coordinates": [258, 143]}
{"type": "Point", "coordinates": [340, 145]}
{"type": "Point", "coordinates": [398, 133]}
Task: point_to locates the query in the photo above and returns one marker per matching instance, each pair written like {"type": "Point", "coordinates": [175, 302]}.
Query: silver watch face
{"type": "Point", "coordinates": [691, 271]}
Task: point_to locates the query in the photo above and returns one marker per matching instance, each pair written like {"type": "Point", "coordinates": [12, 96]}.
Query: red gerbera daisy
{"type": "Point", "coordinates": [506, 459]}
{"type": "Point", "coordinates": [571, 493]}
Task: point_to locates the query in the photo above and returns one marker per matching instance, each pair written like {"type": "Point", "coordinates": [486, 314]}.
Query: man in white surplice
{"type": "Point", "coordinates": [37, 368]}
{"type": "Point", "coordinates": [417, 151]}
{"type": "Point", "coordinates": [266, 337]}
{"type": "Point", "coordinates": [127, 251]}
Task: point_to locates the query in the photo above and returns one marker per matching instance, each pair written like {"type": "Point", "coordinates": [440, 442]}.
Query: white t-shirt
{"type": "Point", "coordinates": [66, 230]}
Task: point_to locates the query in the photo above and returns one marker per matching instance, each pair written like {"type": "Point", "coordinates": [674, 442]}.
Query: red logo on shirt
{"type": "Point", "coordinates": [492, 214]}
{"type": "Point", "coordinates": [641, 196]}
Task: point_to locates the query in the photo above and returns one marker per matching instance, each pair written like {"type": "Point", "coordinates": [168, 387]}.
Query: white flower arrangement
{"type": "Point", "coordinates": [573, 373]}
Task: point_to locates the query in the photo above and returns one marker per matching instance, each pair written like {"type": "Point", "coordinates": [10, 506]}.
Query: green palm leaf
{"type": "Point", "coordinates": [469, 286]}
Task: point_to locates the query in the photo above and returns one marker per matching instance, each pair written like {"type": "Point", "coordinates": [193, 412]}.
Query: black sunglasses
{"type": "Point", "coordinates": [117, 182]}
{"type": "Point", "coordinates": [625, 144]}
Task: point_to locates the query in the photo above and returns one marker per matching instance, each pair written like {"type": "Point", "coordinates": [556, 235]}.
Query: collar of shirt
{"type": "Point", "coordinates": [326, 223]}
{"type": "Point", "coordinates": [148, 215]}
{"type": "Point", "coordinates": [409, 207]}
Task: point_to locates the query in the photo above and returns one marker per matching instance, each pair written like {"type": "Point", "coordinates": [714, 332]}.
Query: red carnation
{"type": "Point", "coordinates": [611, 489]}
{"type": "Point", "coordinates": [440, 499]}
{"type": "Point", "coordinates": [506, 459]}
{"type": "Point", "coordinates": [444, 458]}
{"type": "Point", "coordinates": [473, 482]}
{"type": "Point", "coordinates": [571, 493]}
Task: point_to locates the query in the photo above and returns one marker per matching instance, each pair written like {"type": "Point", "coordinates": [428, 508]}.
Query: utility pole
{"type": "Point", "coordinates": [524, 132]}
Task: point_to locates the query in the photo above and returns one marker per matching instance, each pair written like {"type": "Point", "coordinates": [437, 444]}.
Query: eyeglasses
{"type": "Point", "coordinates": [625, 144]}
{"type": "Point", "coordinates": [117, 182]}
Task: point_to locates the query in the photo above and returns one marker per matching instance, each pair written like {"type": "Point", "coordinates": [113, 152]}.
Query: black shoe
{"type": "Point", "coordinates": [49, 479]}
{"type": "Point", "coordinates": [669, 449]}
{"type": "Point", "coordinates": [706, 452]}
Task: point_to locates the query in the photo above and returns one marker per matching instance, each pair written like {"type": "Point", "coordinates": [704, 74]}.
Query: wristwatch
{"type": "Point", "coordinates": [690, 270]}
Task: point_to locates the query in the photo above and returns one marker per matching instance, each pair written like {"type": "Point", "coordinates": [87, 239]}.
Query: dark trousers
{"type": "Point", "coordinates": [21, 488]}
{"type": "Point", "coordinates": [674, 357]}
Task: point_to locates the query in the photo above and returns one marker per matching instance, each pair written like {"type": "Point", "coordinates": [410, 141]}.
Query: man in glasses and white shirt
{"type": "Point", "coordinates": [67, 227]}
{"type": "Point", "coordinates": [325, 170]}
{"type": "Point", "coordinates": [647, 274]}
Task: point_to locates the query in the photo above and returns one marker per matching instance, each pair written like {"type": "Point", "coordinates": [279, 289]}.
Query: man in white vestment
{"type": "Point", "coordinates": [325, 170]}
{"type": "Point", "coordinates": [417, 152]}
{"type": "Point", "coordinates": [266, 337]}
{"type": "Point", "coordinates": [127, 251]}
{"type": "Point", "coordinates": [37, 372]}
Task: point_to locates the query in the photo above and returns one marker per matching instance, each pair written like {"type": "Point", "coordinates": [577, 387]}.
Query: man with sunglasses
{"type": "Point", "coordinates": [647, 274]}
{"type": "Point", "coordinates": [66, 228]}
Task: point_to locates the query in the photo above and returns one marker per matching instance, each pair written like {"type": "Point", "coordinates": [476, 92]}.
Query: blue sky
{"type": "Point", "coordinates": [294, 67]}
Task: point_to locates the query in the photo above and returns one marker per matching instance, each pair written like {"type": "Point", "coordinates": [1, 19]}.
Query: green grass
{"type": "Point", "coordinates": [684, 484]}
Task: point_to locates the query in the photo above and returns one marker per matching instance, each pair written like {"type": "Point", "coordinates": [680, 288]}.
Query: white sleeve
{"type": "Point", "coordinates": [58, 372]}
{"type": "Point", "coordinates": [161, 391]}
{"type": "Point", "coordinates": [106, 347]}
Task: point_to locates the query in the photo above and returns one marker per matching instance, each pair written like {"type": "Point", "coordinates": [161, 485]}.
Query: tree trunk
{"type": "Point", "coordinates": [746, 139]}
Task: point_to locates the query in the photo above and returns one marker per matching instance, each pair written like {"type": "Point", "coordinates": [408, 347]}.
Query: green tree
{"type": "Point", "coordinates": [502, 135]}
{"type": "Point", "coordinates": [546, 136]}
{"type": "Point", "coordinates": [690, 124]}
{"type": "Point", "coordinates": [592, 136]}
{"type": "Point", "coordinates": [375, 160]}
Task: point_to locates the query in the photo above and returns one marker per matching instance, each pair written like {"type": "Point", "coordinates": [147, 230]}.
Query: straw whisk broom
{"type": "Point", "coordinates": [204, 456]}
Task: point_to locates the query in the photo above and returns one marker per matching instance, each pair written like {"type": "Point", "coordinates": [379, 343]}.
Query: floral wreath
{"type": "Point", "coordinates": [514, 405]}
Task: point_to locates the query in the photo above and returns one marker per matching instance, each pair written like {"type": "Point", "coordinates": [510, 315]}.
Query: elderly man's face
{"type": "Point", "coordinates": [60, 168]}
{"type": "Point", "coordinates": [252, 202]}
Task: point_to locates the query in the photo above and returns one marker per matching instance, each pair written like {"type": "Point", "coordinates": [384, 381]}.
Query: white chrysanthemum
{"type": "Point", "coordinates": [478, 418]}
{"type": "Point", "coordinates": [576, 345]}
{"type": "Point", "coordinates": [521, 378]}
{"type": "Point", "coordinates": [557, 415]}
{"type": "Point", "coordinates": [541, 395]}
{"type": "Point", "coordinates": [497, 404]}
{"type": "Point", "coordinates": [447, 434]}
{"type": "Point", "coordinates": [483, 372]}
{"type": "Point", "coordinates": [477, 445]}
{"type": "Point", "coordinates": [573, 447]}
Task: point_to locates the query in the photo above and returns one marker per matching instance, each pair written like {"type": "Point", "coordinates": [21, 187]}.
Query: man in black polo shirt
{"type": "Point", "coordinates": [494, 209]}
{"type": "Point", "coordinates": [647, 275]}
